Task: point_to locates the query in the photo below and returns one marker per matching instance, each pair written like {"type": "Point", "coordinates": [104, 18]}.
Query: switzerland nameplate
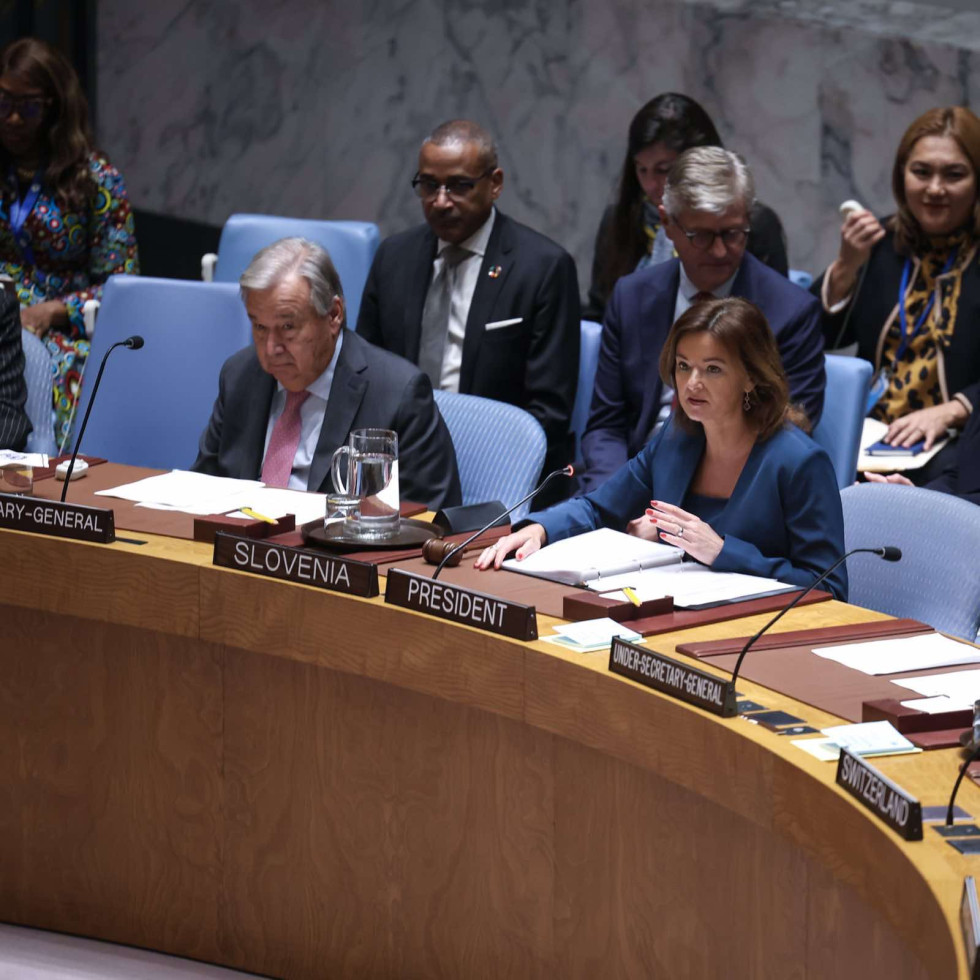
{"type": "Point", "coordinates": [300, 565]}
{"type": "Point", "coordinates": [903, 813]}
{"type": "Point", "coordinates": [697, 687]}
{"type": "Point", "coordinates": [485, 612]}
{"type": "Point", "coordinates": [53, 517]}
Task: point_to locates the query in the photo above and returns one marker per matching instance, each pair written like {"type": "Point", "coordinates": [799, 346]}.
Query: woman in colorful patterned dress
{"type": "Point", "coordinates": [65, 221]}
{"type": "Point", "coordinates": [907, 289]}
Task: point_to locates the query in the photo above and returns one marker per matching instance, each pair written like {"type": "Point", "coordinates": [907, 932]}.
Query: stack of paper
{"type": "Point", "coordinates": [870, 738]}
{"type": "Point", "coordinates": [896, 656]}
{"type": "Point", "coordinates": [874, 431]}
{"type": "Point", "coordinates": [961, 687]}
{"type": "Point", "coordinates": [8, 456]}
{"type": "Point", "coordinates": [590, 635]}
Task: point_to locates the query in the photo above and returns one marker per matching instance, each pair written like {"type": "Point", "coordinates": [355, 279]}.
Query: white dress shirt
{"type": "Point", "coordinates": [465, 277]}
{"type": "Point", "coordinates": [311, 420]}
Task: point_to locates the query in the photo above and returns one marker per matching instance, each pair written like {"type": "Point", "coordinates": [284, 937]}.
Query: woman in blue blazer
{"type": "Point", "coordinates": [730, 478]}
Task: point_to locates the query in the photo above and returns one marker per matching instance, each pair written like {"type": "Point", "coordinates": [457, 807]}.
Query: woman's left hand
{"type": "Point", "coordinates": [926, 423]}
{"type": "Point", "coordinates": [41, 317]}
{"type": "Point", "coordinates": [678, 527]}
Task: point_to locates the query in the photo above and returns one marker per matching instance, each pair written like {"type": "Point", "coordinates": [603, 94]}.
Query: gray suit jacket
{"type": "Point", "coordinates": [371, 389]}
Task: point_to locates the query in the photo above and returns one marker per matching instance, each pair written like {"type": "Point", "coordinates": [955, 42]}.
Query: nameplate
{"type": "Point", "coordinates": [316, 568]}
{"type": "Point", "coordinates": [654, 670]}
{"type": "Point", "coordinates": [459, 605]}
{"type": "Point", "coordinates": [53, 517]}
{"type": "Point", "coordinates": [903, 813]}
{"type": "Point", "coordinates": [970, 923]}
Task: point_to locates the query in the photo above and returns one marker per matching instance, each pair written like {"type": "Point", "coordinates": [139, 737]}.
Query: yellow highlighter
{"type": "Point", "coordinates": [632, 596]}
{"type": "Point", "coordinates": [257, 516]}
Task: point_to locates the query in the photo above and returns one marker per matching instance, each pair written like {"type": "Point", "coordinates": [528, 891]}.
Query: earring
{"type": "Point", "coordinates": [746, 402]}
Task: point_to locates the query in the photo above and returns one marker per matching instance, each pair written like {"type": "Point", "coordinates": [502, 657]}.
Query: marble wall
{"type": "Point", "coordinates": [316, 109]}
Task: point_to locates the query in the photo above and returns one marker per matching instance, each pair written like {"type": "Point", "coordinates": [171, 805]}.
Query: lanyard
{"type": "Point", "coordinates": [20, 211]}
{"type": "Point", "coordinates": [903, 318]}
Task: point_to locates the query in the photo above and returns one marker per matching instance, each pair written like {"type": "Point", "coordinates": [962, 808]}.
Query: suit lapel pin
{"type": "Point", "coordinates": [494, 272]}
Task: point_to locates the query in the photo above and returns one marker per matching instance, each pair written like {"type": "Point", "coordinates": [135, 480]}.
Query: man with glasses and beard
{"type": "Point", "coordinates": [482, 304]}
{"type": "Point", "coordinates": [705, 214]}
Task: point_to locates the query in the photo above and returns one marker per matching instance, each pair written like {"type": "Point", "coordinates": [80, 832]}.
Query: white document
{"type": "Point", "coordinates": [896, 656]}
{"type": "Point", "coordinates": [962, 687]}
{"type": "Point", "coordinates": [8, 456]}
{"type": "Point", "coordinates": [591, 632]}
{"type": "Point", "coordinates": [191, 493]}
{"type": "Point", "coordinates": [869, 738]}
{"type": "Point", "coordinates": [690, 584]}
{"type": "Point", "coordinates": [874, 431]}
{"type": "Point", "coordinates": [932, 706]}
{"type": "Point", "coordinates": [596, 554]}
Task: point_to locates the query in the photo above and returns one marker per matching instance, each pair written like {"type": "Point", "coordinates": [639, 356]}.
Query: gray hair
{"type": "Point", "coordinates": [295, 256]}
{"type": "Point", "coordinates": [708, 178]}
{"type": "Point", "coordinates": [461, 131]}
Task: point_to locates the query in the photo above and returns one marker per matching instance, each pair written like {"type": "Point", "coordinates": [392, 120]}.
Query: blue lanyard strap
{"type": "Point", "coordinates": [903, 317]}
{"type": "Point", "coordinates": [20, 211]}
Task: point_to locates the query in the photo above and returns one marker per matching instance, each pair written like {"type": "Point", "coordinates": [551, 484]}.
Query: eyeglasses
{"type": "Point", "coordinates": [30, 108]}
{"type": "Point", "coordinates": [702, 239]}
{"type": "Point", "coordinates": [456, 188]}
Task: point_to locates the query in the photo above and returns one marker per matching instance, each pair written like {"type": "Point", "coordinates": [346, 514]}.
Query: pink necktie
{"type": "Point", "coordinates": [284, 441]}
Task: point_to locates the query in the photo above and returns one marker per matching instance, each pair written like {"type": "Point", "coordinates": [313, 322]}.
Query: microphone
{"type": "Point", "coordinates": [887, 553]}
{"type": "Point", "coordinates": [971, 740]}
{"type": "Point", "coordinates": [133, 343]}
{"type": "Point", "coordinates": [458, 550]}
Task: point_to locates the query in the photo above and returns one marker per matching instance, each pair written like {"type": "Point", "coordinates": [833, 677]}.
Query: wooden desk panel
{"type": "Point", "coordinates": [284, 793]}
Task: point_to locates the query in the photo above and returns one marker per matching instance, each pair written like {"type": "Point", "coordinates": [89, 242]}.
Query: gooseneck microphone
{"type": "Point", "coordinates": [564, 471]}
{"type": "Point", "coordinates": [888, 553]}
{"type": "Point", "coordinates": [974, 755]}
{"type": "Point", "coordinates": [133, 343]}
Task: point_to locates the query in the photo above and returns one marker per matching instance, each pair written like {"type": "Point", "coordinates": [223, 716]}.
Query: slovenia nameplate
{"type": "Point", "coordinates": [888, 802]}
{"type": "Point", "coordinates": [323, 571]}
{"type": "Point", "coordinates": [53, 517]}
{"type": "Point", "coordinates": [671, 677]}
{"type": "Point", "coordinates": [466, 606]}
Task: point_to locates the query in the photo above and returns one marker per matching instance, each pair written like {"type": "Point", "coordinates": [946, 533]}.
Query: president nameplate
{"type": "Point", "coordinates": [888, 802]}
{"type": "Point", "coordinates": [671, 677]}
{"type": "Point", "coordinates": [459, 605]}
{"type": "Point", "coordinates": [55, 518]}
{"type": "Point", "coordinates": [316, 568]}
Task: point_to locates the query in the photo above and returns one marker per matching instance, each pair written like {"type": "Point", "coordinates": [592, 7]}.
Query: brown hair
{"type": "Point", "coordinates": [65, 131]}
{"type": "Point", "coordinates": [964, 127]}
{"type": "Point", "coordinates": [745, 333]}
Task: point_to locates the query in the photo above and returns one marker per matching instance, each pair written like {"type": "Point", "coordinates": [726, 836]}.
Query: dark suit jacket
{"type": "Point", "coordinates": [371, 389]}
{"type": "Point", "coordinates": [783, 520]}
{"type": "Point", "coordinates": [533, 364]}
{"type": "Point", "coordinates": [626, 397]}
{"type": "Point", "coordinates": [15, 426]}
{"type": "Point", "coordinates": [961, 475]}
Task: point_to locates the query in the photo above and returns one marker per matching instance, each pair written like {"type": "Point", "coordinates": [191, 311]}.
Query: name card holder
{"type": "Point", "coordinates": [459, 605]}
{"type": "Point", "coordinates": [875, 791]}
{"type": "Point", "coordinates": [671, 677]}
{"type": "Point", "coordinates": [301, 565]}
{"type": "Point", "coordinates": [59, 520]}
{"type": "Point", "coordinates": [970, 923]}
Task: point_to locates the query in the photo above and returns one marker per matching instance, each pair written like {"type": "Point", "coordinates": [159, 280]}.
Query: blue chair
{"type": "Point", "coordinates": [499, 448]}
{"type": "Point", "coordinates": [154, 403]}
{"type": "Point", "coordinates": [839, 429]}
{"type": "Point", "coordinates": [39, 378]}
{"type": "Point", "coordinates": [587, 364]}
{"type": "Point", "coordinates": [939, 535]}
{"type": "Point", "coordinates": [351, 245]}
{"type": "Point", "coordinates": [802, 279]}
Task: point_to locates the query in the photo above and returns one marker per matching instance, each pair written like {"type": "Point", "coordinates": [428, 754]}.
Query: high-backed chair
{"type": "Point", "coordinates": [154, 403]}
{"type": "Point", "coordinates": [499, 448]}
{"type": "Point", "coordinates": [839, 429]}
{"type": "Point", "coordinates": [939, 535]}
{"type": "Point", "coordinates": [587, 364]}
{"type": "Point", "coordinates": [37, 374]}
{"type": "Point", "coordinates": [351, 245]}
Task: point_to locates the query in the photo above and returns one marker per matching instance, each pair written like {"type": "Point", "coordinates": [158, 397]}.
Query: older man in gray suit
{"type": "Point", "coordinates": [288, 401]}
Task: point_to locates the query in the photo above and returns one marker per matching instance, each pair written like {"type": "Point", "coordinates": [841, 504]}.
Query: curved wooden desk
{"type": "Point", "coordinates": [297, 783]}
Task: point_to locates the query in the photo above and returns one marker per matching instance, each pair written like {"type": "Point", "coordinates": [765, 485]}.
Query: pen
{"type": "Point", "coordinates": [259, 517]}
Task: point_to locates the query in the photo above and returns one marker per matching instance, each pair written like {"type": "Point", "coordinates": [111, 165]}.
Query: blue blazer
{"type": "Point", "coordinates": [626, 396]}
{"type": "Point", "coordinates": [783, 520]}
